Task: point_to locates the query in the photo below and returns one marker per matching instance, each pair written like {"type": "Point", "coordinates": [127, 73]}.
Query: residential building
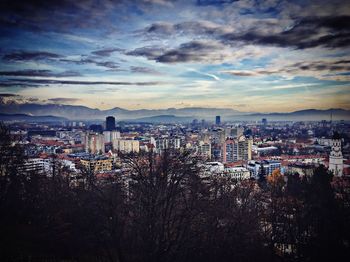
{"type": "Point", "coordinates": [110, 136]}
{"type": "Point", "coordinates": [336, 165]}
{"type": "Point", "coordinates": [269, 166]}
{"type": "Point", "coordinates": [237, 149]}
{"type": "Point", "coordinates": [204, 149]}
{"type": "Point", "coordinates": [94, 143]}
{"type": "Point", "coordinates": [126, 145]}
{"type": "Point", "coordinates": [97, 164]}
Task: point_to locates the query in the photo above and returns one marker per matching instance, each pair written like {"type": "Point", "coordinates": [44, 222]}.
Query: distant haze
{"type": "Point", "coordinates": [167, 115]}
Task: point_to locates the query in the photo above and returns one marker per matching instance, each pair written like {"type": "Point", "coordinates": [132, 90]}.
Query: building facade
{"type": "Point", "coordinates": [269, 166]}
{"type": "Point", "coordinates": [336, 157]}
{"type": "Point", "coordinates": [204, 149]}
{"type": "Point", "coordinates": [126, 145]}
{"type": "Point", "coordinates": [237, 149]}
{"type": "Point", "coordinates": [110, 136]}
{"type": "Point", "coordinates": [94, 143]}
{"type": "Point", "coordinates": [167, 143]}
{"type": "Point", "coordinates": [218, 120]}
{"type": "Point", "coordinates": [110, 123]}
{"type": "Point", "coordinates": [97, 164]}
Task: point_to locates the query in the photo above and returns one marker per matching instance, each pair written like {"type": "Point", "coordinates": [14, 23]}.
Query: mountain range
{"type": "Point", "coordinates": [169, 115]}
{"type": "Point", "coordinates": [30, 118]}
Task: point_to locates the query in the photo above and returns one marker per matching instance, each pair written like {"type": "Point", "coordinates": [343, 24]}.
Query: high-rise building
{"type": "Point", "coordinates": [204, 149]}
{"type": "Point", "coordinates": [167, 143]}
{"type": "Point", "coordinates": [94, 143]}
{"type": "Point", "coordinates": [110, 123]}
{"type": "Point", "coordinates": [230, 151]}
{"type": "Point", "coordinates": [126, 145]}
{"type": "Point", "coordinates": [245, 148]}
{"type": "Point", "coordinates": [264, 121]}
{"type": "Point", "coordinates": [217, 120]}
{"type": "Point", "coordinates": [336, 157]}
{"type": "Point", "coordinates": [110, 136]}
{"type": "Point", "coordinates": [234, 132]}
{"type": "Point", "coordinates": [237, 149]}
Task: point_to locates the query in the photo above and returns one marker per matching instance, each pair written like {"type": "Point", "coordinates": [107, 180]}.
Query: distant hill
{"type": "Point", "coordinates": [25, 117]}
{"type": "Point", "coordinates": [302, 115]}
{"type": "Point", "coordinates": [187, 114]}
{"type": "Point", "coordinates": [163, 119]}
{"type": "Point", "coordinates": [85, 113]}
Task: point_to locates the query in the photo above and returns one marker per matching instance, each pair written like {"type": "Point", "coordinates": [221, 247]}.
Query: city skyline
{"type": "Point", "coordinates": [252, 56]}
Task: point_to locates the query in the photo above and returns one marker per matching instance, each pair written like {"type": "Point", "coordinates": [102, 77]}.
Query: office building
{"type": "Point", "coordinates": [218, 120]}
{"type": "Point", "coordinates": [110, 123]}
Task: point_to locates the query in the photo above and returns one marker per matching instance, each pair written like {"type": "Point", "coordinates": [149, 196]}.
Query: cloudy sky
{"type": "Point", "coordinates": [272, 55]}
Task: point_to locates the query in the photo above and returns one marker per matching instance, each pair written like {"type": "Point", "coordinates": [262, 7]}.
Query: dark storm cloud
{"type": "Point", "coordinates": [329, 32]}
{"type": "Point", "coordinates": [30, 56]}
{"type": "Point", "coordinates": [193, 28]}
{"type": "Point", "coordinates": [54, 15]}
{"type": "Point", "coordinates": [21, 56]}
{"type": "Point", "coordinates": [83, 61]}
{"type": "Point", "coordinates": [150, 52]}
{"type": "Point", "coordinates": [309, 32]}
{"type": "Point", "coordinates": [73, 82]}
{"type": "Point", "coordinates": [298, 68]}
{"type": "Point", "coordinates": [107, 51]}
{"type": "Point", "coordinates": [194, 51]}
{"type": "Point", "coordinates": [64, 16]}
{"type": "Point", "coordinates": [42, 73]}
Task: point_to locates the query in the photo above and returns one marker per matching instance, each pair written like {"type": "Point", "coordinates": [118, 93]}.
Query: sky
{"type": "Point", "coordinates": [252, 56]}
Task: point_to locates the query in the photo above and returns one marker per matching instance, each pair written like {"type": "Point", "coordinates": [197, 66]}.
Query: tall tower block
{"type": "Point", "coordinates": [336, 157]}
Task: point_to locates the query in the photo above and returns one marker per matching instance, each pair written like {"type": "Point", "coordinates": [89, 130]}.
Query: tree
{"type": "Point", "coordinates": [276, 182]}
{"type": "Point", "coordinates": [164, 195]}
{"type": "Point", "coordinates": [262, 175]}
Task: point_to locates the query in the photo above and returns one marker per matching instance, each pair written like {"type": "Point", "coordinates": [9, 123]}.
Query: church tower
{"type": "Point", "coordinates": [336, 157]}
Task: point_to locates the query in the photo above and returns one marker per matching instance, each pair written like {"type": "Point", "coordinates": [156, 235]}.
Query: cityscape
{"type": "Point", "coordinates": [156, 130]}
{"type": "Point", "coordinates": [237, 150]}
